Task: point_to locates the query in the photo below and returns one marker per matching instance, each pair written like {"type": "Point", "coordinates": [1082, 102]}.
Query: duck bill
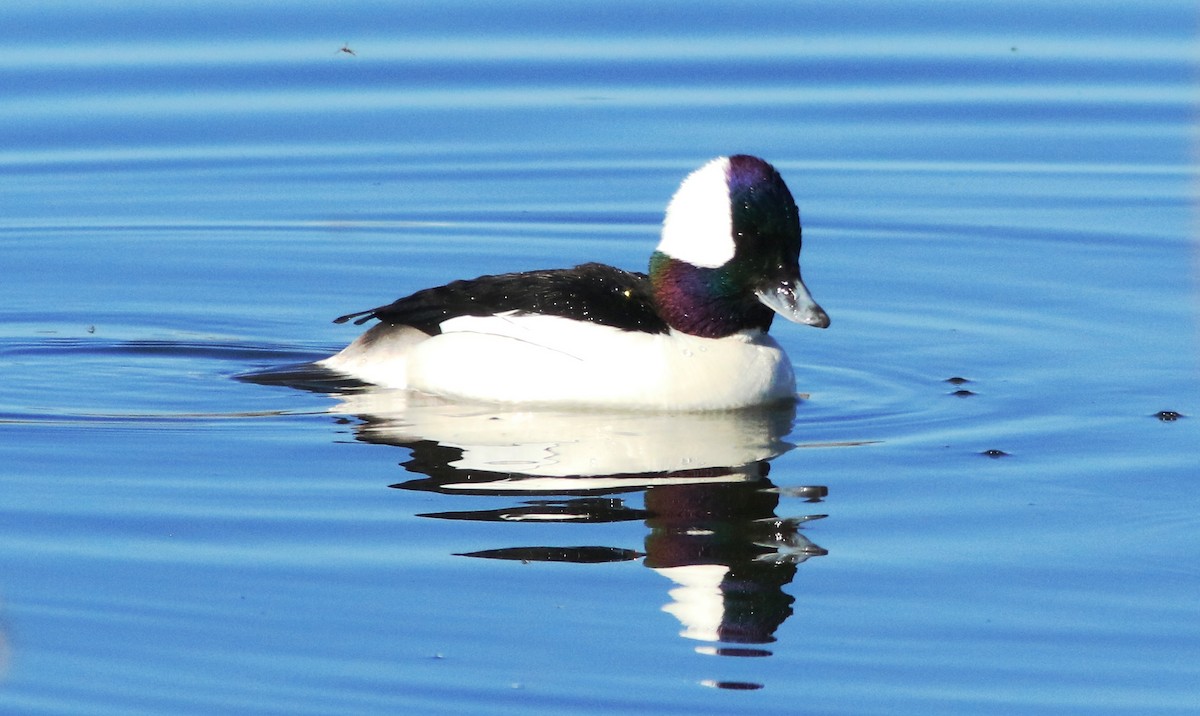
{"type": "Point", "coordinates": [790, 298]}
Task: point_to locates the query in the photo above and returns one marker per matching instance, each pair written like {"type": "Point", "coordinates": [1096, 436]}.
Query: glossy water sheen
{"type": "Point", "coordinates": [998, 192]}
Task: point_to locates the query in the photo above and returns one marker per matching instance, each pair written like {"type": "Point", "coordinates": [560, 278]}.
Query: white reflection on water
{"type": "Point", "coordinates": [555, 443]}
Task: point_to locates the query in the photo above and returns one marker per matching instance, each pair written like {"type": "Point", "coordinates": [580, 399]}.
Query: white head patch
{"type": "Point", "coordinates": [698, 227]}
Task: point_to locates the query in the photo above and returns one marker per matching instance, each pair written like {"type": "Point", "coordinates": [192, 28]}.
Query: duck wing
{"type": "Point", "coordinates": [592, 292]}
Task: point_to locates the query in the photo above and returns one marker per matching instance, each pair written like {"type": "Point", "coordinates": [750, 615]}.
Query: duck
{"type": "Point", "coordinates": [690, 334]}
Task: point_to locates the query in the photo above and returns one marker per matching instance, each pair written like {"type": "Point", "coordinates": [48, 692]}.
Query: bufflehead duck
{"type": "Point", "coordinates": [690, 335]}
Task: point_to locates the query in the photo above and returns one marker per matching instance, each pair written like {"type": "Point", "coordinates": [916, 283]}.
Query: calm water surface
{"type": "Point", "coordinates": [1004, 195]}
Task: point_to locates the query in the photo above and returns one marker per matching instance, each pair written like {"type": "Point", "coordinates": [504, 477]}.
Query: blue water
{"type": "Point", "coordinates": [1000, 193]}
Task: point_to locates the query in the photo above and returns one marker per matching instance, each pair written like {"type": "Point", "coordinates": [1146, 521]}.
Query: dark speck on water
{"type": "Point", "coordinates": [734, 685]}
{"type": "Point", "coordinates": [741, 651]}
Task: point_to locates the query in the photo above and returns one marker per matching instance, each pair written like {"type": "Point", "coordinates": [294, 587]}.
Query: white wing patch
{"type": "Point", "coordinates": [698, 227]}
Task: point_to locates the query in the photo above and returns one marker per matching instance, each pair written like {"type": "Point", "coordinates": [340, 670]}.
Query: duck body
{"type": "Point", "coordinates": [689, 335]}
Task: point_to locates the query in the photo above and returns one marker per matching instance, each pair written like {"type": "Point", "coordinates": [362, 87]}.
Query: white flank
{"type": "Point", "coordinates": [547, 360]}
{"type": "Point", "coordinates": [559, 361]}
{"type": "Point", "coordinates": [698, 227]}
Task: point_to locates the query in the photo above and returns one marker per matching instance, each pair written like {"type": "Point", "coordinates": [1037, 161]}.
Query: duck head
{"type": "Point", "coordinates": [729, 257]}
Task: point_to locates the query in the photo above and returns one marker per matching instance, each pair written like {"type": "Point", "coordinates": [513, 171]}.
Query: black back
{"type": "Point", "coordinates": [589, 292]}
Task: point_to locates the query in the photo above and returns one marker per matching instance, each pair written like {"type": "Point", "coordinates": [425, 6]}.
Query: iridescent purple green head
{"type": "Point", "coordinates": [729, 258]}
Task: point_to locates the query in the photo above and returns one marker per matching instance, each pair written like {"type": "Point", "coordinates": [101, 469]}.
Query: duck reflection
{"type": "Point", "coordinates": [730, 557]}
{"type": "Point", "coordinates": [706, 498]}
